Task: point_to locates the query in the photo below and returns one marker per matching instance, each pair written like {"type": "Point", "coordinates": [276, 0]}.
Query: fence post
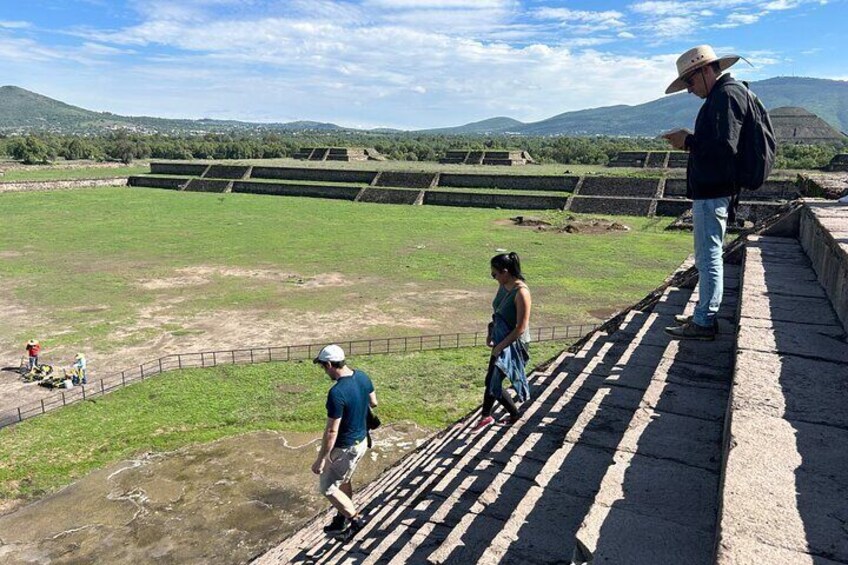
{"type": "Point", "coordinates": [288, 353]}
{"type": "Point", "coordinates": [251, 356]}
{"type": "Point", "coordinates": [457, 340]}
{"type": "Point", "coordinates": [63, 399]}
{"type": "Point", "coordinates": [214, 359]}
{"type": "Point", "coordinates": [142, 372]}
{"type": "Point", "coordinates": [20, 416]}
{"type": "Point", "coordinates": [83, 394]}
{"type": "Point", "coordinates": [102, 389]}
{"type": "Point", "coordinates": [179, 361]}
{"type": "Point", "coordinates": [42, 405]}
{"type": "Point", "coordinates": [269, 354]}
{"type": "Point", "coordinates": [160, 368]}
{"type": "Point", "coordinates": [123, 379]}
{"type": "Point", "coordinates": [233, 351]}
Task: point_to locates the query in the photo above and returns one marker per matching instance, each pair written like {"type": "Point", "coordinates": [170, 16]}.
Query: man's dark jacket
{"type": "Point", "coordinates": [711, 172]}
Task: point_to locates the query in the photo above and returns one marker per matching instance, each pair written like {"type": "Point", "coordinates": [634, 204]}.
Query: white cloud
{"type": "Point", "coordinates": [8, 24]}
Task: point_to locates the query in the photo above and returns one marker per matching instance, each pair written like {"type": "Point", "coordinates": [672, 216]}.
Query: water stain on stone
{"type": "Point", "coordinates": [222, 502]}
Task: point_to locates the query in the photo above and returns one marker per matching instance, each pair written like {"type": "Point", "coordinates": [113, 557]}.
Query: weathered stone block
{"type": "Point", "coordinates": [181, 169]}
{"type": "Point", "coordinates": [610, 205]}
{"type": "Point", "coordinates": [340, 192]}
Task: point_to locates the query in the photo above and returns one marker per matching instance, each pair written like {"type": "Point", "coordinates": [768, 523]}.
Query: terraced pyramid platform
{"type": "Point", "coordinates": [639, 449]}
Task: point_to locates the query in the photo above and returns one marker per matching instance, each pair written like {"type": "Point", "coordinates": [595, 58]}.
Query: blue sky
{"type": "Point", "coordinates": [395, 63]}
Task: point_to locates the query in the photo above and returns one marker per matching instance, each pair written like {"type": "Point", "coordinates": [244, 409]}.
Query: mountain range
{"type": "Point", "coordinates": [23, 111]}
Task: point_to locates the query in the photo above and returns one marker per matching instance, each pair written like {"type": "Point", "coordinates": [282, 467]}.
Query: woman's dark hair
{"type": "Point", "coordinates": [508, 262]}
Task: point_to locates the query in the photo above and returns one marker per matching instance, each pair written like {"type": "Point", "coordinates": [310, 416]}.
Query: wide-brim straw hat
{"type": "Point", "coordinates": [694, 59]}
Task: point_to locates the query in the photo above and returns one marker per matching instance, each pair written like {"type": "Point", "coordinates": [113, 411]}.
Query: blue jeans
{"type": "Point", "coordinates": [709, 218]}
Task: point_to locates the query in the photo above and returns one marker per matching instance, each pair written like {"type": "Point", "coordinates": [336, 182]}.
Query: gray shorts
{"type": "Point", "coordinates": [340, 467]}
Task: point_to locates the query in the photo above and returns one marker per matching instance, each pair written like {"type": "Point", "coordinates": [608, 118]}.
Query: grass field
{"type": "Point", "coordinates": [432, 389]}
{"type": "Point", "coordinates": [109, 270]}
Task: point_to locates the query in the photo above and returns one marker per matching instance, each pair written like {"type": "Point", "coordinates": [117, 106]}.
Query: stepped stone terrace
{"type": "Point", "coordinates": [338, 154]}
{"type": "Point", "coordinates": [591, 194]}
{"type": "Point", "coordinates": [650, 159]}
{"type": "Point", "coordinates": [509, 158]}
{"type": "Point", "coordinates": [638, 449]}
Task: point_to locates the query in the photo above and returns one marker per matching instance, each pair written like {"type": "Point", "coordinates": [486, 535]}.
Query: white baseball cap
{"type": "Point", "coordinates": [330, 354]}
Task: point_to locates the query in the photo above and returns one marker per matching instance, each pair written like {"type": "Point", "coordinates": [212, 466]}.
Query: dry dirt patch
{"type": "Point", "coordinates": [205, 274]}
{"type": "Point", "coordinates": [589, 226]}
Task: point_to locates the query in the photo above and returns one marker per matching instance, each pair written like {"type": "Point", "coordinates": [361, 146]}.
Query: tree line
{"type": "Point", "coordinates": [126, 147]}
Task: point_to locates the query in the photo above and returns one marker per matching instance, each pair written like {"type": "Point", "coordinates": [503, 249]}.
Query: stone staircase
{"type": "Point", "coordinates": [638, 449]}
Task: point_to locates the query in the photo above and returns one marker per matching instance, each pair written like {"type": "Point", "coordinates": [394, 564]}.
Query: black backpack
{"type": "Point", "coordinates": [757, 145]}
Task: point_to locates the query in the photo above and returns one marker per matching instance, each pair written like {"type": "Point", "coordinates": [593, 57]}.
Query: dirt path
{"type": "Point", "coordinates": [222, 502]}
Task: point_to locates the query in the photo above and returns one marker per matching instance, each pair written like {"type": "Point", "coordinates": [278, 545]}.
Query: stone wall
{"type": "Point", "coordinates": [406, 180]}
{"type": "Point", "coordinates": [678, 159]}
{"type": "Point", "coordinates": [756, 211]}
{"type": "Point", "coordinates": [207, 185]}
{"type": "Point", "coordinates": [509, 182]}
{"type": "Point", "coordinates": [183, 169]}
{"type": "Point", "coordinates": [341, 192]}
{"type": "Point", "coordinates": [317, 175]}
{"type": "Point", "coordinates": [824, 237]}
{"type": "Point", "coordinates": [838, 163]}
{"type": "Point", "coordinates": [675, 188]}
{"type": "Point", "coordinates": [389, 195]}
{"type": "Point", "coordinates": [656, 159]}
{"type": "Point", "coordinates": [629, 159]}
{"type": "Point", "coordinates": [40, 186]}
{"type": "Point", "coordinates": [672, 207]}
{"type": "Point", "coordinates": [171, 183]}
{"type": "Point", "coordinates": [611, 205]}
{"type": "Point", "coordinates": [490, 200]}
{"type": "Point", "coordinates": [226, 172]}
{"type": "Point", "coordinates": [619, 186]}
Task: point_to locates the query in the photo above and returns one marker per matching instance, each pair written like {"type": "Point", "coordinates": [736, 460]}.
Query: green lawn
{"type": "Point", "coordinates": [432, 389]}
{"type": "Point", "coordinates": [85, 271]}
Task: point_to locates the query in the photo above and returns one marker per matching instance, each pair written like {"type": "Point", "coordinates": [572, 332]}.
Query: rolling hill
{"type": "Point", "coordinates": [22, 111]}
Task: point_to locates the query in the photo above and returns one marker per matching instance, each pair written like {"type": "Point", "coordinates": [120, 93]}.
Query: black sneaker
{"type": "Point", "coordinates": [680, 320]}
{"type": "Point", "coordinates": [354, 527]}
{"type": "Point", "coordinates": [692, 330]}
{"type": "Point", "coordinates": [337, 526]}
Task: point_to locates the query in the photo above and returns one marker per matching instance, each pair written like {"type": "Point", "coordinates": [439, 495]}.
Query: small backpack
{"type": "Point", "coordinates": [757, 145]}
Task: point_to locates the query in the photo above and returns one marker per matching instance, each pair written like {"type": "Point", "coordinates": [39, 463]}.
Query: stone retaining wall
{"type": "Point", "coordinates": [389, 195]}
{"type": "Point", "coordinates": [619, 186]}
{"type": "Point", "coordinates": [406, 180]}
{"type": "Point", "coordinates": [675, 188]}
{"type": "Point", "coordinates": [838, 163]}
{"type": "Point", "coordinates": [158, 182]}
{"type": "Point", "coordinates": [234, 172]}
{"type": "Point", "coordinates": [824, 237]}
{"type": "Point", "coordinates": [509, 182]}
{"type": "Point", "coordinates": [340, 192]}
{"type": "Point", "coordinates": [207, 185]}
{"type": "Point", "coordinates": [488, 200]}
{"type": "Point", "coordinates": [610, 205]}
{"type": "Point", "coordinates": [672, 207]}
{"type": "Point", "coordinates": [182, 169]}
{"type": "Point", "coordinates": [38, 186]}
{"type": "Point", "coordinates": [318, 175]}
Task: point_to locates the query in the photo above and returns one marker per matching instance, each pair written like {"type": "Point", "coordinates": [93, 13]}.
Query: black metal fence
{"type": "Point", "coordinates": [108, 383]}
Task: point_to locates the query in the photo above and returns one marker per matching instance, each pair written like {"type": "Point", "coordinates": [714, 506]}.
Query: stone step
{"type": "Point", "coordinates": [660, 408]}
{"type": "Point", "coordinates": [786, 474]}
{"type": "Point", "coordinates": [423, 481]}
{"type": "Point", "coordinates": [623, 409]}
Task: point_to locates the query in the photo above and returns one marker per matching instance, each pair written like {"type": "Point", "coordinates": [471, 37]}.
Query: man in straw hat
{"type": "Point", "coordinates": [710, 174]}
{"type": "Point", "coordinates": [344, 441]}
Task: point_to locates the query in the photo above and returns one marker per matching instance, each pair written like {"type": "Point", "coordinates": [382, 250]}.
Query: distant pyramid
{"type": "Point", "coordinates": [797, 125]}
